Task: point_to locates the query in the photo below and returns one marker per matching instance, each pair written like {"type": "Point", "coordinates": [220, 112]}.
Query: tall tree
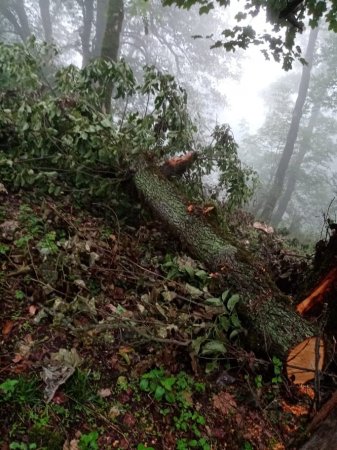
{"type": "Point", "coordinates": [100, 24]}
{"type": "Point", "coordinates": [277, 187]}
{"type": "Point", "coordinates": [46, 20]}
{"type": "Point", "coordinates": [111, 40]}
{"type": "Point", "coordinates": [295, 167]}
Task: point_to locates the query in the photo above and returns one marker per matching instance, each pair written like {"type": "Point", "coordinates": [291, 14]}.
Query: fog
{"type": "Point", "coordinates": [296, 162]}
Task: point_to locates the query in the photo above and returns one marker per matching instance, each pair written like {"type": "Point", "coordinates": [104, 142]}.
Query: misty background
{"type": "Point", "coordinates": [284, 122]}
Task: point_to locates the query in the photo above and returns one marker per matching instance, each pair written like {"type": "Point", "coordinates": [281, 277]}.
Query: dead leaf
{"type": "Point", "coordinates": [207, 209]}
{"type": "Point", "coordinates": [72, 445]}
{"type": "Point", "coordinates": [263, 227]}
{"type": "Point", "coordinates": [129, 420]}
{"type": "Point", "coordinates": [17, 358]}
{"type": "Point", "coordinates": [61, 367]}
{"type": "Point", "coordinates": [225, 403]}
{"type": "Point", "coordinates": [32, 310]}
{"type": "Point", "coordinates": [59, 398]}
{"type": "Point", "coordinates": [7, 328]}
{"type": "Point", "coordinates": [104, 392]}
{"type": "Point", "coordinates": [8, 229]}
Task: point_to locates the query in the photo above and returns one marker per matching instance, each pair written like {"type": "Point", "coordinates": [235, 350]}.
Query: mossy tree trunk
{"type": "Point", "coordinates": [273, 326]}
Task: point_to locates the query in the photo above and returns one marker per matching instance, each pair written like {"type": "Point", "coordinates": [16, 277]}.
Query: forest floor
{"type": "Point", "coordinates": [101, 327]}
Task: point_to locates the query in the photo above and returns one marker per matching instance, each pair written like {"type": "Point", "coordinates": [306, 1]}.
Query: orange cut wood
{"type": "Point", "coordinates": [301, 362]}
{"type": "Point", "coordinates": [317, 296]}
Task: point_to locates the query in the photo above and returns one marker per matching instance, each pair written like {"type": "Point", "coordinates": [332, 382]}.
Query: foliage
{"type": "Point", "coordinates": [56, 137]}
{"type": "Point", "coordinates": [88, 441]}
{"type": "Point", "coordinates": [279, 14]}
{"type": "Point", "coordinates": [176, 390]}
{"type": "Point", "coordinates": [236, 183]}
{"type": "Point", "coordinates": [20, 391]}
{"type": "Point", "coordinates": [226, 326]}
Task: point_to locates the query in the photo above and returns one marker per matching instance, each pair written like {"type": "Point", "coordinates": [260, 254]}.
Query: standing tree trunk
{"type": "Point", "coordinates": [283, 165]}
{"type": "Point", "coordinates": [46, 20]}
{"type": "Point", "coordinates": [295, 167]}
{"type": "Point", "coordinates": [101, 18]}
{"type": "Point", "coordinates": [85, 34]}
{"type": "Point", "coordinates": [111, 40]}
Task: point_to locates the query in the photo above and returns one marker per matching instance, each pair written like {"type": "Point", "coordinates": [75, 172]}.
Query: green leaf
{"type": "Point", "coordinates": [224, 323]}
{"type": "Point", "coordinates": [224, 295]}
{"type": "Point", "coordinates": [213, 348]}
{"type": "Point", "coordinates": [167, 383]}
{"type": "Point", "coordinates": [235, 321]}
{"type": "Point", "coordinates": [196, 344]}
{"type": "Point", "coordinates": [214, 301]}
{"type": "Point", "coordinates": [232, 302]}
{"type": "Point", "coordinates": [144, 384]}
{"type": "Point", "coordinates": [8, 386]}
{"type": "Point", "coordinates": [159, 393]}
{"type": "Point", "coordinates": [170, 397]}
{"type": "Point", "coordinates": [206, 8]}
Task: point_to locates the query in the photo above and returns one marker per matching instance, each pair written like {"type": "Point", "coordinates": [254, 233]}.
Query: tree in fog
{"type": "Point", "coordinates": [308, 180]}
{"type": "Point", "coordinates": [280, 174]}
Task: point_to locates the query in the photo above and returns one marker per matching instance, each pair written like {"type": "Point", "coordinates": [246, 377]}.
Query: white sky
{"type": "Point", "coordinates": [244, 96]}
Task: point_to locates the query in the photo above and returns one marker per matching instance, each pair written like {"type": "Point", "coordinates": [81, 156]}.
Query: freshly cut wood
{"type": "Point", "coordinates": [305, 359]}
{"type": "Point", "coordinates": [178, 165]}
{"type": "Point", "coordinates": [317, 296]}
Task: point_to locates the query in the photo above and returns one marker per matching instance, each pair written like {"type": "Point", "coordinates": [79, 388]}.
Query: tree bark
{"type": "Point", "coordinates": [46, 20]}
{"type": "Point", "coordinates": [295, 167]}
{"type": "Point", "coordinates": [101, 18]}
{"type": "Point", "coordinates": [111, 40]}
{"type": "Point", "coordinates": [283, 165]}
{"type": "Point", "coordinates": [85, 34]}
{"type": "Point", "coordinates": [273, 326]}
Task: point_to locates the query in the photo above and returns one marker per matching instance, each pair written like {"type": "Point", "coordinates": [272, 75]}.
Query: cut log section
{"type": "Point", "coordinates": [305, 359]}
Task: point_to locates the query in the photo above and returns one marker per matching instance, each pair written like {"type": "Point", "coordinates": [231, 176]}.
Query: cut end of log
{"type": "Point", "coordinates": [305, 359]}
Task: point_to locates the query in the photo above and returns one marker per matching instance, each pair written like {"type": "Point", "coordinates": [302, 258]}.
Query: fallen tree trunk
{"type": "Point", "coordinates": [273, 326]}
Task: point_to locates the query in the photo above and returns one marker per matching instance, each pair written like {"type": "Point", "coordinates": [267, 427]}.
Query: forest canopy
{"type": "Point", "coordinates": [283, 15]}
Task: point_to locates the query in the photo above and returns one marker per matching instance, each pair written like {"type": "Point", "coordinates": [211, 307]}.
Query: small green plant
{"type": "Point", "coordinates": [277, 378]}
{"type": "Point", "coordinates": [258, 381]}
{"type": "Point", "coordinates": [22, 446]}
{"type": "Point", "coordinates": [47, 245]}
{"type": "Point", "coordinates": [20, 391]}
{"type": "Point", "coordinates": [32, 223]}
{"type": "Point", "coordinates": [177, 391]}
{"type": "Point", "coordinates": [82, 387]}
{"type": "Point", "coordinates": [227, 325]}
{"type": "Point", "coordinates": [144, 447]}
{"type": "Point", "coordinates": [8, 388]}
{"type": "Point", "coordinates": [89, 441]}
{"type": "Point", "coordinates": [184, 267]}
{"type": "Point", "coordinates": [19, 295]}
{"type": "Point", "coordinates": [23, 241]}
{"type": "Point", "coordinates": [3, 249]}
{"type": "Point", "coordinates": [186, 444]}
{"type": "Point", "coordinates": [158, 384]}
